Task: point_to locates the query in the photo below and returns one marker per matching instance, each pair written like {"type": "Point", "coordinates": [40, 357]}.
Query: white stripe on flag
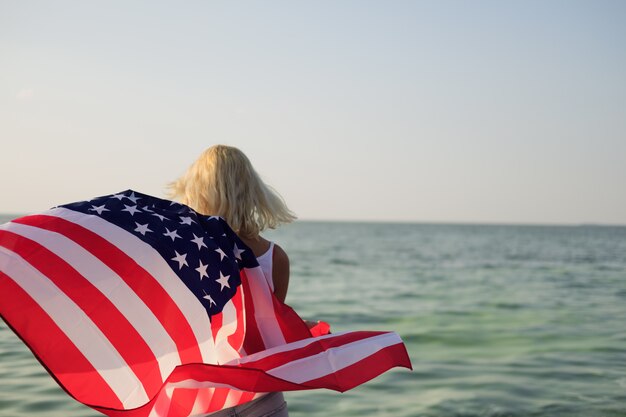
{"type": "Point", "coordinates": [264, 313]}
{"type": "Point", "coordinates": [78, 327]}
{"type": "Point", "coordinates": [333, 359]}
{"type": "Point", "coordinates": [233, 398]}
{"type": "Point", "coordinates": [203, 400]}
{"type": "Point", "coordinates": [155, 265]}
{"type": "Point", "coordinates": [113, 287]}
{"type": "Point", "coordinates": [224, 349]}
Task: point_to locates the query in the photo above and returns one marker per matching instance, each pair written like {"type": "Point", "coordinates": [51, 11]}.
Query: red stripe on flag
{"type": "Point", "coordinates": [291, 325]}
{"type": "Point", "coordinates": [236, 339]}
{"type": "Point", "coordinates": [138, 279]}
{"type": "Point", "coordinates": [182, 403]}
{"type": "Point", "coordinates": [219, 399]}
{"type": "Point", "coordinates": [115, 327]}
{"type": "Point", "coordinates": [246, 396]}
{"type": "Point", "coordinates": [253, 341]}
{"type": "Point", "coordinates": [216, 324]}
{"type": "Point", "coordinates": [52, 347]}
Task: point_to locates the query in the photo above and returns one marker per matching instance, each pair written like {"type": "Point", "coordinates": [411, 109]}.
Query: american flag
{"type": "Point", "coordinates": [140, 306]}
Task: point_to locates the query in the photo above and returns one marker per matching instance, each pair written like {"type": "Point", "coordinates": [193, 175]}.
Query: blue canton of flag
{"type": "Point", "coordinates": [198, 248]}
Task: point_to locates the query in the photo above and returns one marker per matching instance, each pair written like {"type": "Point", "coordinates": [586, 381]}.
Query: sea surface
{"type": "Point", "coordinates": [498, 320]}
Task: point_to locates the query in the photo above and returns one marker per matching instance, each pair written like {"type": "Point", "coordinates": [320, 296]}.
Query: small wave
{"type": "Point", "coordinates": [340, 261]}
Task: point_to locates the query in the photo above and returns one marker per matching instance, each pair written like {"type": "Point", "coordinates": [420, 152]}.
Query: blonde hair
{"type": "Point", "coordinates": [222, 182]}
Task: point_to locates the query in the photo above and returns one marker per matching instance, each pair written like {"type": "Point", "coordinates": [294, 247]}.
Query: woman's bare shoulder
{"type": "Point", "coordinates": [279, 254]}
{"type": "Point", "coordinates": [280, 272]}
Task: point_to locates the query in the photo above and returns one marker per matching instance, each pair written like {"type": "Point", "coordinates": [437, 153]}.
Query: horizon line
{"type": "Point", "coordinates": [467, 222]}
{"type": "Point", "coordinates": [422, 222]}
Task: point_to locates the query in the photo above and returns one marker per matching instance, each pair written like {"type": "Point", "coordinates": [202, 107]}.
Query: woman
{"type": "Point", "coordinates": [223, 182]}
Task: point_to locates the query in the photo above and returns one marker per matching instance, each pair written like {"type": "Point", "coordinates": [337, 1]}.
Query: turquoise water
{"type": "Point", "coordinates": [498, 320]}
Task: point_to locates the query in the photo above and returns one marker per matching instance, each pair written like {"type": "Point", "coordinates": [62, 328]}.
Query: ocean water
{"type": "Point", "coordinates": [498, 320]}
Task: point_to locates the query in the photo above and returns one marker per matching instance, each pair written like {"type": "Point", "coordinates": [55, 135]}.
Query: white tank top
{"type": "Point", "coordinates": [265, 262]}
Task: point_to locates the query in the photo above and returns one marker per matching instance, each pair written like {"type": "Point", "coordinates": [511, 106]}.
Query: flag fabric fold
{"type": "Point", "coordinates": [139, 306]}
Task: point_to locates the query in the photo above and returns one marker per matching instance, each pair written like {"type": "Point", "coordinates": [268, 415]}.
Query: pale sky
{"type": "Point", "coordinates": [428, 111]}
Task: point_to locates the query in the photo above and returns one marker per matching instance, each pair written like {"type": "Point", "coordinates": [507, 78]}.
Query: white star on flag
{"type": "Point", "coordinates": [186, 220]}
{"type": "Point", "coordinates": [99, 209]}
{"type": "Point", "coordinates": [198, 240]}
{"type": "Point", "coordinates": [238, 252]}
{"type": "Point", "coordinates": [171, 234]}
{"type": "Point", "coordinates": [221, 252]}
{"type": "Point", "coordinates": [181, 259]}
{"type": "Point", "coordinates": [142, 228]}
{"type": "Point", "coordinates": [160, 216]}
{"type": "Point", "coordinates": [132, 197]}
{"type": "Point", "coordinates": [118, 196]}
{"type": "Point", "coordinates": [131, 209]}
{"type": "Point", "coordinates": [202, 270]}
{"type": "Point", "coordinates": [223, 280]}
{"type": "Point", "coordinates": [208, 297]}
